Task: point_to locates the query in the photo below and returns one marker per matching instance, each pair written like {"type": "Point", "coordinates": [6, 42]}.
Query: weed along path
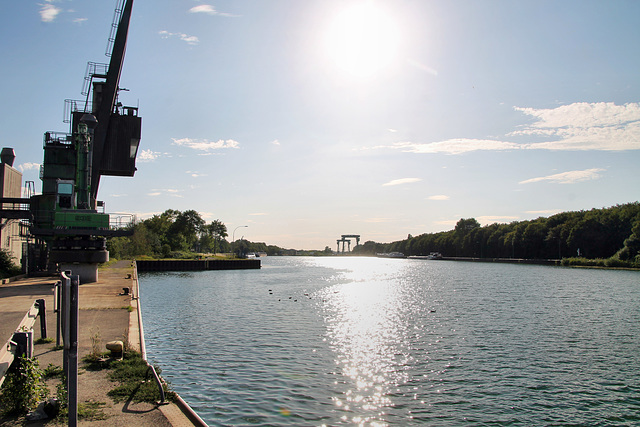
{"type": "Point", "coordinates": [107, 313]}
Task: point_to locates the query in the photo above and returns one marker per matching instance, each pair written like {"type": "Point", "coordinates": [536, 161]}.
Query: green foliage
{"type": "Point", "coordinates": [584, 262]}
{"type": "Point", "coordinates": [52, 371]}
{"type": "Point", "coordinates": [180, 235]}
{"type": "Point", "coordinates": [610, 235]}
{"type": "Point", "coordinates": [91, 411]}
{"type": "Point", "coordinates": [23, 387]}
{"type": "Point", "coordinates": [135, 381]}
{"type": "Point", "coordinates": [63, 397]}
{"type": "Point", "coordinates": [7, 267]}
{"type": "Point", "coordinates": [170, 234]}
{"type": "Point", "coordinates": [133, 376]}
{"type": "Point", "coordinates": [612, 262]}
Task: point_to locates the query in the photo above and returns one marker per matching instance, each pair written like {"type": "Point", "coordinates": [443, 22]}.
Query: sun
{"type": "Point", "coordinates": [362, 40]}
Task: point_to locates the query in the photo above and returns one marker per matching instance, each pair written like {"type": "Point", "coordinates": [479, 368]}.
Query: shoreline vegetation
{"type": "Point", "coordinates": [604, 238]}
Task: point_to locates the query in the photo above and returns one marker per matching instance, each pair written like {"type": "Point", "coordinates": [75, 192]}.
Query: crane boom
{"type": "Point", "coordinates": [108, 97]}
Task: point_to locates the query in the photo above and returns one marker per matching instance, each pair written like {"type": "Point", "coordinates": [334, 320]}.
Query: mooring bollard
{"type": "Point", "coordinates": [42, 312]}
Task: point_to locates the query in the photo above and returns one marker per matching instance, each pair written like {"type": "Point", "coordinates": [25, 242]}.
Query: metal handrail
{"type": "Point", "coordinates": [7, 351]}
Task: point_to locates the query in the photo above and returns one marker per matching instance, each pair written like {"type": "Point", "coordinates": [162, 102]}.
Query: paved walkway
{"type": "Point", "coordinates": [104, 316]}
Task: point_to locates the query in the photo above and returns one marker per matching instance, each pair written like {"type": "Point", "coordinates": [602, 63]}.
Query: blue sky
{"type": "Point", "coordinates": [305, 120]}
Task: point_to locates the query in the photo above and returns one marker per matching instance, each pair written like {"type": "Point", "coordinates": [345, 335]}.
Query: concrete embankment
{"type": "Point", "coordinates": [106, 313]}
{"type": "Point", "coordinates": [197, 264]}
{"type": "Point", "coordinates": [506, 260]}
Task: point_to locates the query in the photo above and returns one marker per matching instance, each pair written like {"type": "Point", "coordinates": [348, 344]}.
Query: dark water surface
{"type": "Point", "coordinates": [368, 341]}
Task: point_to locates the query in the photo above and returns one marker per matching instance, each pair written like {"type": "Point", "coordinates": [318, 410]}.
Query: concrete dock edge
{"type": "Point", "coordinates": [186, 416]}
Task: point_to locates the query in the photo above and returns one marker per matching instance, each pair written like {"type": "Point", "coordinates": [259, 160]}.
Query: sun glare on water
{"type": "Point", "coordinates": [362, 40]}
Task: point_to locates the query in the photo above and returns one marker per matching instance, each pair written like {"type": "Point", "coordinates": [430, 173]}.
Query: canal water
{"type": "Point", "coordinates": [367, 341]}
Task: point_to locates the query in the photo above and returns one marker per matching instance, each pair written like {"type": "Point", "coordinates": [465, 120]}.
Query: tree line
{"type": "Point", "coordinates": [176, 234]}
{"type": "Point", "coordinates": [611, 235]}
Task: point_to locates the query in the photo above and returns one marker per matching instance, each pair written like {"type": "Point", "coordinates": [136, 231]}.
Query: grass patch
{"type": "Point", "coordinates": [135, 381]}
{"type": "Point", "coordinates": [91, 411]}
{"type": "Point", "coordinates": [52, 371]}
{"type": "Point", "coordinates": [133, 376]}
{"type": "Point", "coordinates": [44, 340]}
{"type": "Point", "coordinates": [97, 362]}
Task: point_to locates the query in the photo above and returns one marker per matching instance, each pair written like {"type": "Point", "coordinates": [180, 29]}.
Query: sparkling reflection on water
{"type": "Point", "coordinates": [367, 341]}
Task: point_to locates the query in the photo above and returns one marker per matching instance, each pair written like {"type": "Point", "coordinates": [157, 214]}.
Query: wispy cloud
{"type": "Point", "coordinates": [584, 126]}
{"type": "Point", "coordinates": [196, 174]}
{"type": "Point", "coordinates": [190, 40]}
{"type": "Point", "coordinates": [205, 144]}
{"type": "Point", "coordinates": [456, 146]}
{"type": "Point", "coordinates": [275, 142]}
{"type": "Point", "coordinates": [209, 10]}
{"type": "Point", "coordinates": [28, 166]}
{"type": "Point", "coordinates": [602, 126]}
{"type": "Point", "coordinates": [48, 12]}
{"type": "Point", "coordinates": [147, 155]}
{"type": "Point", "coordinates": [402, 181]}
{"type": "Point", "coordinates": [438, 197]}
{"type": "Point", "coordinates": [570, 177]}
{"type": "Point", "coordinates": [165, 192]}
{"type": "Point", "coordinates": [80, 20]}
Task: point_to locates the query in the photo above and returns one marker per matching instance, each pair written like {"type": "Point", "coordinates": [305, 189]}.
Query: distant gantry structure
{"type": "Point", "coordinates": [346, 238]}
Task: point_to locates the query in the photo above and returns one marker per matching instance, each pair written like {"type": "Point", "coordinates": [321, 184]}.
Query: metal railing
{"type": "Point", "coordinates": [94, 69]}
{"type": "Point", "coordinates": [12, 348]}
{"type": "Point", "coordinates": [118, 221]}
{"type": "Point", "coordinates": [62, 138]}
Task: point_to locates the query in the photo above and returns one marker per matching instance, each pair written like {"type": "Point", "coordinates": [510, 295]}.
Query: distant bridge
{"type": "Point", "coordinates": [346, 238]}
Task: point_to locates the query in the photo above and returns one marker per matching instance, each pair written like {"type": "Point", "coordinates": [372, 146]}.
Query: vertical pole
{"type": "Point", "coordinates": [70, 339]}
{"type": "Point", "coordinates": [57, 296]}
{"type": "Point", "coordinates": [42, 312]}
{"type": "Point", "coordinates": [66, 296]}
{"type": "Point", "coordinates": [72, 378]}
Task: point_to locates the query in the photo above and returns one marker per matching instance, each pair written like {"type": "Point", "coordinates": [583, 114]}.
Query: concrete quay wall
{"type": "Point", "coordinates": [197, 264]}
{"type": "Point", "coordinates": [506, 260]}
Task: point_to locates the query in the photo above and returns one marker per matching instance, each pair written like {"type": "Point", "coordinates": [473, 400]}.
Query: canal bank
{"type": "Point", "coordinates": [109, 310]}
{"type": "Point", "coordinates": [556, 262]}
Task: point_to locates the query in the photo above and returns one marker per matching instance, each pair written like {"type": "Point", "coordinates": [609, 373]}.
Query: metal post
{"type": "Point", "coordinates": [57, 297]}
{"type": "Point", "coordinates": [65, 296]}
{"type": "Point", "coordinates": [42, 312]}
{"type": "Point", "coordinates": [70, 339]}
{"type": "Point", "coordinates": [72, 378]}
